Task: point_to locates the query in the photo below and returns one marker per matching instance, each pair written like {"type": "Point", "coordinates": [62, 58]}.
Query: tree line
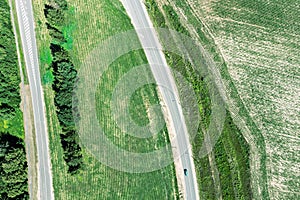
{"type": "Point", "coordinates": [65, 76]}
{"type": "Point", "coordinates": [9, 74]}
{"type": "Point", "coordinates": [13, 164]}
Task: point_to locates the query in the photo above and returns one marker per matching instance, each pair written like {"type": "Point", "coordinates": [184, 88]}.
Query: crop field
{"type": "Point", "coordinates": [259, 42]}
{"type": "Point", "coordinates": [91, 23]}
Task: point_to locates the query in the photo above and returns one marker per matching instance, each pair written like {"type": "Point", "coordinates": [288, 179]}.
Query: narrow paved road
{"type": "Point", "coordinates": [27, 33]}
{"type": "Point", "coordinates": [167, 88]}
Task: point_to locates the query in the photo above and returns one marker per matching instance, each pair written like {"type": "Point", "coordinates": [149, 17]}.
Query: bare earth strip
{"type": "Point", "coordinates": [26, 107]}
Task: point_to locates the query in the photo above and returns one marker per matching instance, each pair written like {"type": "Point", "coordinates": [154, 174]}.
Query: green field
{"type": "Point", "coordinates": [140, 101]}
{"type": "Point", "coordinates": [87, 25]}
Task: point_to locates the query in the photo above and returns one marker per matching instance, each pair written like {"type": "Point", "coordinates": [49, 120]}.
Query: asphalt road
{"type": "Point", "coordinates": [167, 88]}
{"type": "Point", "coordinates": [27, 33]}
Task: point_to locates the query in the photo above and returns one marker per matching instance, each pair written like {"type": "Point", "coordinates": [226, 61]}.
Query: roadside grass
{"type": "Point", "coordinates": [231, 150]}
{"type": "Point", "coordinates": [232, 158]}
{"type": "Point", "coordinates": [204, 175]}
{"type": "Point", "coordinates": [96, 21]}
{"type": "Point", "coordinates": [140, 102]}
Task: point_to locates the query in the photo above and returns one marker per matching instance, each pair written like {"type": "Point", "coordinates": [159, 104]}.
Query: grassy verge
{"type": "Point", "coordinates": [140, 102]}
{"type": "Point", "coordinates": [231, 151]}
{"type": "Point", "coordinates": [232, 158]}
{"type": "Point", "coordinates": [96, 21]}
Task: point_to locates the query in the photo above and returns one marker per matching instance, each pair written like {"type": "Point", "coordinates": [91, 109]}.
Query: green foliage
{"type": "Point", "coordinates": [59, 4]}
{"type": "Point", "coordinates": [48, 78]}
{"type": "Point", "coordinates": [54, 15]}
{"type": "Point", "coordinates": [15, 125]}
{"type": "Point", "coordinates": [64, 80]}
{"type": "Point", "coordinates": [203, 170]}
{"type": "Point", "coordinates": [62, 75]}
{"type": "Point", "coordinates": [231, 151]}
{"type": "Point", "coordinates": [173, 19]}
{"type": "Point", "coordinates": [156, 16]}
{"type": "Point", "coordinates": [9, 71]}
{"type": "Point", "coordinates": [232, 158]}
{"type": "Point", "coordinates": [13, 168]}
{"type": "Point", "coordinates": [45, 56]}
{"type": "Point", "coordinates": [67, 33]}
{"type": "Point", "coordinates": [198, 83]}
{"type": "Point", "coordinates": [56, 34]}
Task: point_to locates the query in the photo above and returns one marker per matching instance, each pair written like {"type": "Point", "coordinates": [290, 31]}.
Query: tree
{"type": "Point", "coordinates": [54, 15]}
{"type": "Point", "coordinates": [14, 173]}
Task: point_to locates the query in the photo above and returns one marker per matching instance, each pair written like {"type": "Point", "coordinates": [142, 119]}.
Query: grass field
{"type": "Point", "coordinates": [92, 23]}
{"type": "Point", "coordinates": [139, 103]}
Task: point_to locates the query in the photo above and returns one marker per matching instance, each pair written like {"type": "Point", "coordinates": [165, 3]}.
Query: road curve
{"type": "Point", "coordinates": [27, 33]}
{"type": "Point", "coordinates": [166, 83]}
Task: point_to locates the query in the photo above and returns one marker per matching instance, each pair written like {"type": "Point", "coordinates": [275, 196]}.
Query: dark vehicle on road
{"type": "Point", "coordinates": [185, 172]}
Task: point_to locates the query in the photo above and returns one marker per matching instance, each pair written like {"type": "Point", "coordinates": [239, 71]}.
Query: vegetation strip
{"type": "Point", "coordinates": [63, 83]}
{"type": "Point", "coordinates": [13, 167]}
